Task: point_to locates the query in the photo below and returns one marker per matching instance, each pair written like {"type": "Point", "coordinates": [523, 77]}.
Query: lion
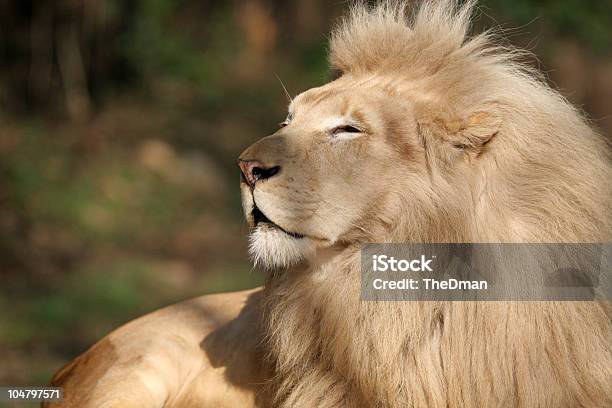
{"type": "Point", "coordinates": [426, 135]}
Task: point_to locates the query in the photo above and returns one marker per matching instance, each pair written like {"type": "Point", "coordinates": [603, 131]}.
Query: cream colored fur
{"type": "Point", "coordinates": [456, 141]}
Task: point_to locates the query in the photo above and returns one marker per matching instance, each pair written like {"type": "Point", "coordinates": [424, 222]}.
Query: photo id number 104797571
{"type": "Point", "coordinates": [31, 394]}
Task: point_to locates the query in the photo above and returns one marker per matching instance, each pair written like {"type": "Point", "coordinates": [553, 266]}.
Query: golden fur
{"type": "Point", "coordinates": [199, 353]}
{"type": "Point", "coordinates": [427, 135]}
{"type": "Point", "coordinates": [476, 149]}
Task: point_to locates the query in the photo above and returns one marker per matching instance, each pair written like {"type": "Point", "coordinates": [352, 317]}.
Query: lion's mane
{"type": "Point", "coordinates": [546, 177]}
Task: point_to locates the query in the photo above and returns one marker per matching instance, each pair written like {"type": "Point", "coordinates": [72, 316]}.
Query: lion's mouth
{"type": "Point", "coordinates": [260, 217]}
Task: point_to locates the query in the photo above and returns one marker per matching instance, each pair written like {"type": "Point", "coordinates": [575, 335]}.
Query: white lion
{"type": "Point", "coordinates": [427, 135]}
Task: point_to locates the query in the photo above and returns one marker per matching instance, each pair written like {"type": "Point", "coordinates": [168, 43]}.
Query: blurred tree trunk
{"type": "Point", "coordinates": [74, 78]}
{"type": "Point", "coordinates": [70, 60]}
{"type": "Point", "coordinates": [41, 53]}
{"type": "Point", "coordinates": [310, 19]}
{"type": "Point", "coordinates": [260, 30]}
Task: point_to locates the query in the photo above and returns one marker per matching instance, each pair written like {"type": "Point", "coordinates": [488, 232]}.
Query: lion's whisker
{"type": "Point", "coordinates": [289, 98]}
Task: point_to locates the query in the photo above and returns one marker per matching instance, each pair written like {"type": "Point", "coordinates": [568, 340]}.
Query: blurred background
{"type": "Point", "coordinates": [120, 124]}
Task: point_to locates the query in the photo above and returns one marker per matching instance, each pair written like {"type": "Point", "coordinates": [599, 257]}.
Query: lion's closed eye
{"type": "Point", "coordinates": [345, 129]}
{"type": "Point", "coordinates": [344, 132]}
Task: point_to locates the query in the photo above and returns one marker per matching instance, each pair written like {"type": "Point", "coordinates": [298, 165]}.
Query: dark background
{"type": "Point", "coordinates": [120, 123]}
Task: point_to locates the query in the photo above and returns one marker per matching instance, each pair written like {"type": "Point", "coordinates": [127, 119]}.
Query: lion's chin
{"type": "Point", "coordinates": [271, 247]}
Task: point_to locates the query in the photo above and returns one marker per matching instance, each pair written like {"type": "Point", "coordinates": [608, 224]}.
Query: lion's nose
{"type": "Point", "coordinates": [253, 171]}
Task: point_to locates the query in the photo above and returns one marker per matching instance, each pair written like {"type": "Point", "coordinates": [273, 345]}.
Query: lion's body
{"type": "Point", "coordinates": [427, 136]}
{"type": "Point", "coordinates": [196, 354]}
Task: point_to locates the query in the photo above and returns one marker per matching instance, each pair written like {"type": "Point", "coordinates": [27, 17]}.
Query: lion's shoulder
{"type": "Point", "coordinates": [190, 352]}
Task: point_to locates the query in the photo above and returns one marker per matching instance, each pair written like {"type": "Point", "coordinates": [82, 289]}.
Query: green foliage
{"type": "Point", "coordinates": [589, 21]}
{"type": "Point", "coordinates": [156, 46]}
{"type": "Point", "coordinates": [108, 199]}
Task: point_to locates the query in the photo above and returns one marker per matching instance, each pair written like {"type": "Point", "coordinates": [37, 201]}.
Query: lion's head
{"type": "Point", "coordinates": [426, 135]}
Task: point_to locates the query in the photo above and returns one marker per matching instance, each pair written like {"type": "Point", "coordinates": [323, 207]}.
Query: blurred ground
{"type": "Point", "coordinates": [120, 123]}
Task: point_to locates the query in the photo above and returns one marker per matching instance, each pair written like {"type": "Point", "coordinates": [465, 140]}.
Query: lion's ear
{"type": "Point", "coordinates": [478, 129]}
{"type": "Point", "coordinates": [469, 133]}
